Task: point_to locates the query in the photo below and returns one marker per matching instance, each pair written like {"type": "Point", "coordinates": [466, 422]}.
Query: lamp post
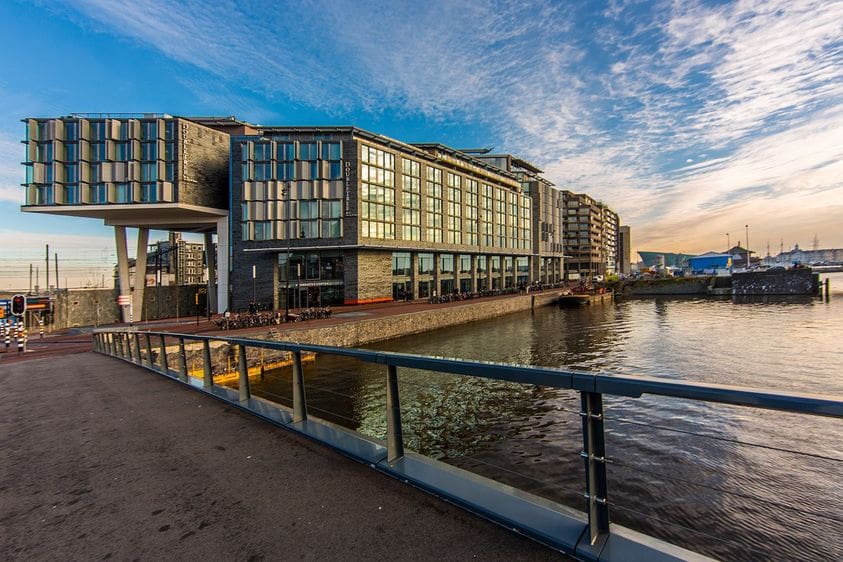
{"type": "Point", "coordinates": [728, 244]}
{"type": "Point", "coordinates": [284, 193]}
{"type": "Point", "coordinates": [747, 245]}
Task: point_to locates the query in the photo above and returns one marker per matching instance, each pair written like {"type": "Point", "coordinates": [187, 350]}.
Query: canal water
{"type": "Point", "coordinates": [728, 482]}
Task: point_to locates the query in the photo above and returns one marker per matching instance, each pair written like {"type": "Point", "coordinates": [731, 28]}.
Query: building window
{"type": "Point", "coordinates": [71, 152]}
{"type": "Point", "coordinates": [378, 193]}
{"type": "Point", "coordinates": [454, 232]}
{"type": "Point", "coordinates": [71, 194]}
{"type": "Point", "coordinates": [471, 213]}
{"type": "Point", "coordinates": [308, 219]}
{"type": "Point", "coordinates": [433, 185]}
{"type": "Point", "coordinates": [425, 264]}
{"type": "Point", "coordinates": [71, 173]}
{"type": "Point", "coordinates": [149, 172]}
{"type": "Point", "coordinates": [446, 263]}
{"type": "Point", "coordinates": [170, 130]}
{"type": "Point", "coordinates": [401, 264]}
{"type": "Point", "coordinates": [121, 193]}
{"type": "Point", "coordinates": [486, 215]}
{"type": "Point", "coordinates": [121, 151]}
{"type": "Point", "coordinates": [44, 195]}
{"type": "Point", "coordinates": [97, 130]}
{"type": "Point", "coordinates": [99, 194]}
{"type": "Point", "coordinates": [169, 171]}
{"type": "Point", "coordinates": [149, 192]}
{"type": "Point", "coordinates": [331, 153]}
{"type": "Point", "coordinates": [286, 154]}
{"type": "Point", "coordinates": [465, 264]}
{"type": "Point", "coordinates": [44, 152]}
{"type": "Point", "coordinates": [330, 217]}
{"type": "Point", "coordinates": [411, 199]}
{"type": "Point", "coordinates": [263, 230]}
{"type": "Point", "coordinates": [149, 130]}
{"type": "Point", "coordinates": [71, 130]}
{"type": "Point", "coordinates": [98, 152]}
{"type": "Point", "coordinates": [149, 151]}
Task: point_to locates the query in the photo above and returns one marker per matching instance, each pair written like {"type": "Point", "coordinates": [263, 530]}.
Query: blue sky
{"type": "Point", "coordinates": [691, 119]}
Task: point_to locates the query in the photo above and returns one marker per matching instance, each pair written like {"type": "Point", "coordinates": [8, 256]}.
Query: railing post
{"type": "Point", "coordinates": [110, 340]}
{"type": "Point", "coordinates": [299, 401]}
{"type": "Point", "coordinates": [208, 380]}
{"type": "Point", "coordinates": [164, 365]}
{"type": "Point", "coordinates": [594, 455]}
{"type": "Point", "coordinates": [125, 350]}
{"type": "Point", "coordinates": [182, 361]}
{"type": "Point", "coordinates": [138, 349]}
{"type": "Point", "coordinates": [149, 357]}
{"type": "Point", "coordinates": [394, 435]}
{"type": "Point", "coordinates": [243, 368]}
{"type": "Point", "coordinates": [98, 343]}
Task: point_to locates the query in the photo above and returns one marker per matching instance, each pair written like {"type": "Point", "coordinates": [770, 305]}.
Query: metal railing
{"type": "Point", "coordinates": [149, 349]}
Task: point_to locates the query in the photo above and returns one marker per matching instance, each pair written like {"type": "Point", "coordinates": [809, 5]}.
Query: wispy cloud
{"type": "Point", "coordinates": [623, 104]}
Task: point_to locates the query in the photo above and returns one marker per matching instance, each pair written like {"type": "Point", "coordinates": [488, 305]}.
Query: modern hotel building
{"type": "Point", "coordinates": [307, 215]}
{"type": "Point", "coordinates": [324, 215]}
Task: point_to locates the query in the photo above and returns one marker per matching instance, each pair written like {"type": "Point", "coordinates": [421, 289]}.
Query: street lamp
{"type": "Point", "coordinates": [254, 276]}
{"type": "Point", "coordinates": [285, 191]}
{"type": "Point", "coordinates": [728, 244]}
{"type": "Point", "coordinates": [747, 245]}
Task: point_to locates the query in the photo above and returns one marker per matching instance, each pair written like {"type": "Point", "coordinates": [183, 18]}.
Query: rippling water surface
{"type": "Point", "coordinates": [725, 481]}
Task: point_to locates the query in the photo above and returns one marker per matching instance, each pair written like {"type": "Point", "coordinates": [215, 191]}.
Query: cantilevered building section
{"type": "Point", "coordinates": [325, 215]}
{"type": "Point", "coordinates": [145, 171]}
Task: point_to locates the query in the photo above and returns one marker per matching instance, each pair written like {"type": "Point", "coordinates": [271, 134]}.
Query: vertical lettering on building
{"type": "Point", "coordinates": [347, 186]}
{"type": "Point", "coordinates": [185, 158]}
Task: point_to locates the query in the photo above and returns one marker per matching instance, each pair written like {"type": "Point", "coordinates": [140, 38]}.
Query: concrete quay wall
{"type": "Point", "coordinates": [361, 332]}
{"type": "Point", "coordinates": [786, 282]}
{"type": "Point", "coordinates": [354, 333]}
{"type": "Point", "coordinates": [669, 286]}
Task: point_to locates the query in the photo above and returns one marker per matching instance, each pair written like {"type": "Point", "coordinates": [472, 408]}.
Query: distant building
{"type": "Point", "coordinates": [709, 263]}
{"type": "Point", "coordinates": [670, 259]}
{"type": "Point", "coordinates": [624, 250]}
{"type": "Point", "coordinates": [831, 256]}
{"type": "Point", "coordinates": [591, 237]}
{"type": "Point", "coordinates": [739, 254]}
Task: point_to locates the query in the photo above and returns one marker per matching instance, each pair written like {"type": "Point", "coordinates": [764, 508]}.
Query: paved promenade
{"type": "Point", "coordinates": [104, 460]}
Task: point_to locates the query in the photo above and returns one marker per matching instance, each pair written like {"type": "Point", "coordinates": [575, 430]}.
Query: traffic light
{"type": "Point", "coordinates": [18, 305]}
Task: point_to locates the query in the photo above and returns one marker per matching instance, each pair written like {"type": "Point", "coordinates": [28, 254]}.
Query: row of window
{"type": "Point", "coordinates": [122, 152]}
{"type": "Point", "coordinates": [99, 131]}
{"type": "Point", "coordinates": [448, 264]}
{"type": "Point", "coordinates": [98, 194]}
{"type": "Point", "coordinates": [291, 229]}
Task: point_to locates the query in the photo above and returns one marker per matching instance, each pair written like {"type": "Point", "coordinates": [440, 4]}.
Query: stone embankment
{"type": "Point", "coordinates": [354, 332]}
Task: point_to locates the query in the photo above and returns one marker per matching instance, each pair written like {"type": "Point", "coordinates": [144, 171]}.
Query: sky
{"type": "Point", "coordinates": [690, 119]}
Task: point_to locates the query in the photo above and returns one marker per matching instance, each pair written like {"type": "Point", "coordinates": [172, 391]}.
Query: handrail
{"type": "Point", "coordinates": [594, 540]}
{"type": "Point", "coordinates": [632, 386]}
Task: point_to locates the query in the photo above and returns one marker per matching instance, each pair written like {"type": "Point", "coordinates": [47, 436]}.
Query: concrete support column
{"type": "Point", "coordinates": [436, 263]}
{"type": "Point", "coordinates": [211, 264]}
{"type": "Point", "coordinates": [276, 284]}
{"type": "Point", "coordinates": [488, 272]}
{"type": "Point", "coordinates": [414, 274]}
{"type": "Point", "coordinates": [122, 268]}
{"type": "Point", "coordinates": [474, 259]}
{"type": "Point", "coordinates": [222, 263]}
{"type": "Point", "coordinates": [140, 273]}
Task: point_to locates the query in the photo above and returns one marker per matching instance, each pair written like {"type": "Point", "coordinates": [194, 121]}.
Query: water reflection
{"type": "Point", "coordinates": [685, 471]}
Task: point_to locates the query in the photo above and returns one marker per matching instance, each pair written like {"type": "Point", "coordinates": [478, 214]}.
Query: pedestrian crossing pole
{"type": "Point", "coordinates": [7, 334]}
{"type": "Point", "coordinates": [19, 338]}
{"type": "Point", "coordinates": [41, 327]}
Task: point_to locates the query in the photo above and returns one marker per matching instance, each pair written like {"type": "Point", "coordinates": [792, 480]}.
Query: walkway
{"type": "Point", "coordinates": [101, 459]}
